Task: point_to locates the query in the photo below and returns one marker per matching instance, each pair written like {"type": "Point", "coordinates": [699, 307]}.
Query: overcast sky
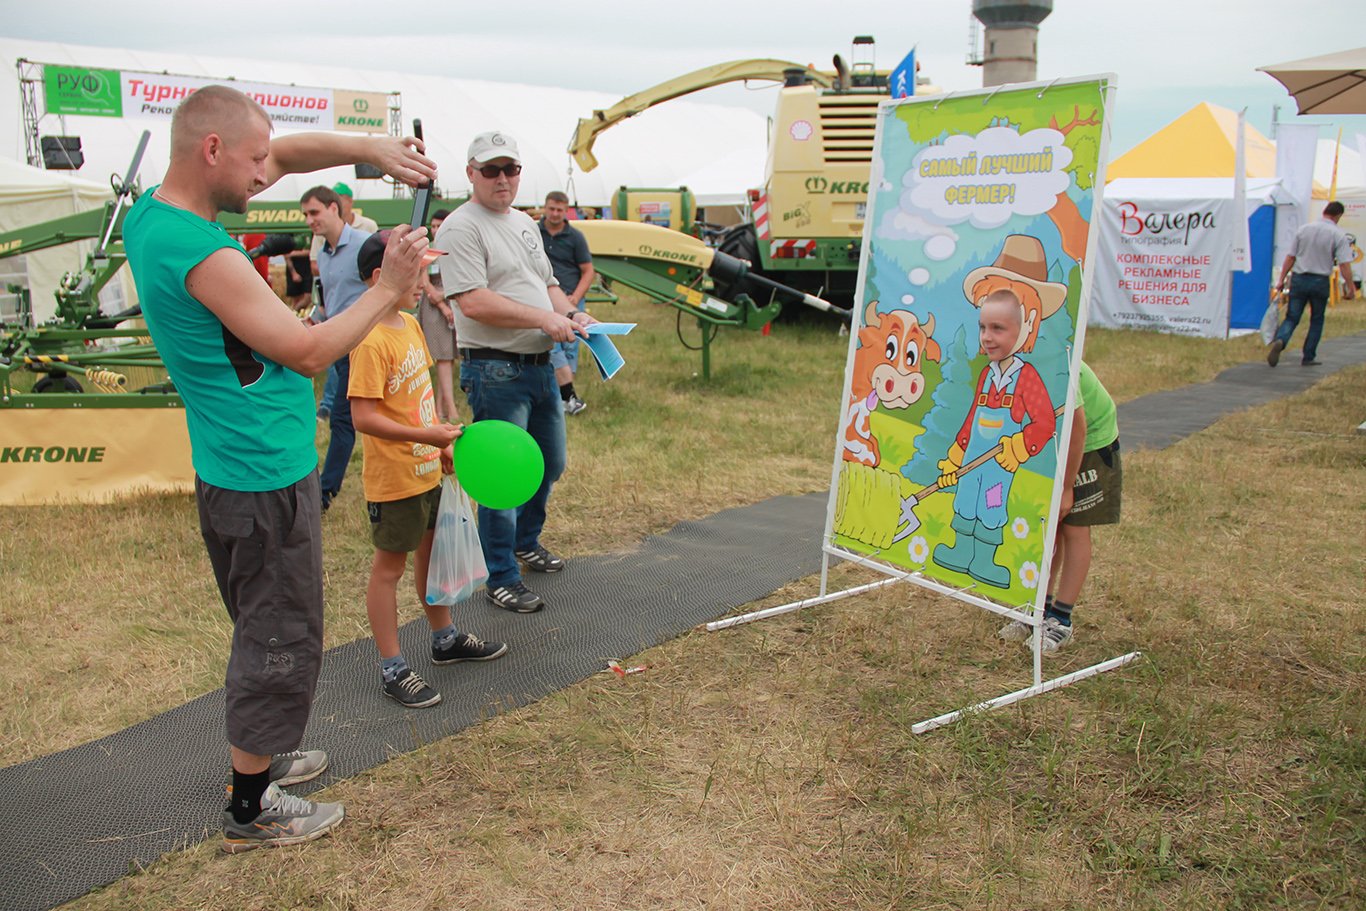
{"type": "Point", "coordinates": [1168, 54]}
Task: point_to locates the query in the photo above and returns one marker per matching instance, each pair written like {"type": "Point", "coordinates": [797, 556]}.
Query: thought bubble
{"type": "Point", "coordinates": [940, 248]}
{"type": "Point", "coordinates": [989, 177]}
{"type": "Point", "coordinates": [898, 224]}
{"type": "Point", "coordinates": [908, 299]}
{"type": "Point", "coordinates": [919, 276]}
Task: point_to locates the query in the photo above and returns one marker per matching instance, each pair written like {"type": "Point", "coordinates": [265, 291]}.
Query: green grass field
{"type": "Point", "coordinates": [772, 766]}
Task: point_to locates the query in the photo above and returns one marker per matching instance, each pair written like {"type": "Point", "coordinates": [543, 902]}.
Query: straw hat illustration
{"type": "Point", "coordinates": [1022, 260]}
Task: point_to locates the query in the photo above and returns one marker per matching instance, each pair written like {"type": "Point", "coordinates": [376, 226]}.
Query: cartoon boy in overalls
{"type": "Point", "coordinates": [1011, 411]}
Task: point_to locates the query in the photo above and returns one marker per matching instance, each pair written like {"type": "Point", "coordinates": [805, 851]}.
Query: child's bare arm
{"type": "Point", "coordinates": [1076, 448]}
{"type": "Point", "coordinates": [366, 418]}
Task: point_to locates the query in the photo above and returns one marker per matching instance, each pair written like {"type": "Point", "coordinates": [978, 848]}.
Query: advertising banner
{"type": "Point", "coordinates": [1163, 265]}
{"type": "Point", "coordinates": [946, 463]}
{"type": "Point", "coordinates": [156, 96]}
{"type": "Point", "coordinates": [92, 455]}
{"type": "Point", "coordinates": [111, 93]}
{"type": "Point", "coordinates": [84, 91]}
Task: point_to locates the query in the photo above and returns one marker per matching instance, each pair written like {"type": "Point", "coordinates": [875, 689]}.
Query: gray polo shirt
{"type": "Point", "coordinates": [501, 251]}
{"type": "Point", "coordinates": [1318, 247]}
{"type": "Point", "coordinates": [339, 273]}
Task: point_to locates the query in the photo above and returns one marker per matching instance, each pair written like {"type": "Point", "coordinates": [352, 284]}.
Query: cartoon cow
{"type": "Point", "coordinates": [887, 370]}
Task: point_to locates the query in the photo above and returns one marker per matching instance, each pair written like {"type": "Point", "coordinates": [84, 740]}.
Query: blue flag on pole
{"type": "Point", "coordinates": [903, 77]}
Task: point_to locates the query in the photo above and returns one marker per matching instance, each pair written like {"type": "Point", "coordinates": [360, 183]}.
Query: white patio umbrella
{"type": "Point", "coordinates": [1330, 84]}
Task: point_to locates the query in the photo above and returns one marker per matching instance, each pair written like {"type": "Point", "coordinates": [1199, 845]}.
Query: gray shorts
{"type": "Point", "coordinates": [1097, 488]}
{"type": "Point", "coordinates": [440, 335]}
{"type": "Point", "coordinates": [266, 551]}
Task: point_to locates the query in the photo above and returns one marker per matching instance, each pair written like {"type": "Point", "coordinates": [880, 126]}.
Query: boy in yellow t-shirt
{"type": "Point", "coordinates": [406, 451]}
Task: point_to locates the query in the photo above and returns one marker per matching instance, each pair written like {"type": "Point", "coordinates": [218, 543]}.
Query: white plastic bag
{"type": "Point", "coordinates": [457, 565]}
{"type": "Point", "coordinates": [1271, 319]}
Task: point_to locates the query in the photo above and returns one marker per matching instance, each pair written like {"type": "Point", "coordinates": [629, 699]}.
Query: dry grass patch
{"type": "Point", "coordinates": [771, 766]}
{"type": "Point", "coordinates": [1131, 365]}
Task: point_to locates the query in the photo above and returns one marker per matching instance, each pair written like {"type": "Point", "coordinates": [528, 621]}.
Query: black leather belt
{"type": "Point", "coordinates": [493, 354]}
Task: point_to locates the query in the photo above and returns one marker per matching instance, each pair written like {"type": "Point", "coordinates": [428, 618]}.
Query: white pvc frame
{"type": "Point", "coordinates": [1035, 616]}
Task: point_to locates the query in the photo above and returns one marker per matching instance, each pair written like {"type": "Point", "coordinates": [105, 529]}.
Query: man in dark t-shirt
{"type": "Point", "coordinates": [572, 264]}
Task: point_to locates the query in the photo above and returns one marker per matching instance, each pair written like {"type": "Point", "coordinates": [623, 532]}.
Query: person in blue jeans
{"type": "Point", "coordinates": [509, 311]}
{"type": "Point", "coordinates": [1308, 267]}
{"type": "Point", "coordinates": [342, 287]}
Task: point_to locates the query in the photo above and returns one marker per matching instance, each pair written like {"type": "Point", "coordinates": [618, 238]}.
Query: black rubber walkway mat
{"type": "Point", "coordinates": [79, 819]}
{"type": "Point", "coordinates": [1159, 420]}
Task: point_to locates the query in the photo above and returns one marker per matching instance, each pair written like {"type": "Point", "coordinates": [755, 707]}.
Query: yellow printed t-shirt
{"type": "Point", "coordinates": [392, 365]}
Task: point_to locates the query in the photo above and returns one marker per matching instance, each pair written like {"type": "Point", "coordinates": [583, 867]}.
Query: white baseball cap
{"type": "Point", "coordinates": [488, 146]}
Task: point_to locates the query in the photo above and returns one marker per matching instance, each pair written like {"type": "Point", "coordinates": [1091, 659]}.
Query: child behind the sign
{"type": "Point", "coordinates": [406, 451]}
{"type": "Point", "coordinates": [1092, 498]}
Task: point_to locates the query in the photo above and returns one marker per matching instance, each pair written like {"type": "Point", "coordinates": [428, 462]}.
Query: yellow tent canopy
{"type": "Point", "coordinates": [1200, 143]}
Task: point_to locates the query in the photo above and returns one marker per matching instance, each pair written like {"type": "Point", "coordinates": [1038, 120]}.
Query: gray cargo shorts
{"type": "Point", "coordinates": [266, 552]}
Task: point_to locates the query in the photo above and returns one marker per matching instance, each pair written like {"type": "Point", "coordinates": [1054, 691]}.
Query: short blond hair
{"type": "Point", "coordinates": [999, 288]}
{"type": "Point", "coordinates": [212, 109]}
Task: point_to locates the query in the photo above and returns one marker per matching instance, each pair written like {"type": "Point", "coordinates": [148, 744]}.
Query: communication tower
{"type": "Point", "coordinates": [1010, 47]}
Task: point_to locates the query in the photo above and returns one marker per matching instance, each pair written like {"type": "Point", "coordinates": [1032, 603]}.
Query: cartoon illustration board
{"type": "Point", "coordinates": [888, 370]}
{"type": "Point", "coordinates": [1011, 416]}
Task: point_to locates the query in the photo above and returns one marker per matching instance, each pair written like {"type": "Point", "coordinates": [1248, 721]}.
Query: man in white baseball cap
{"type": "Point", "coordinates": [508, 310]}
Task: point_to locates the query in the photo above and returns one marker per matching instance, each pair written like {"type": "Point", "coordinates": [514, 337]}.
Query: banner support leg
{"type": "Point", "coordinates": [940, 721]}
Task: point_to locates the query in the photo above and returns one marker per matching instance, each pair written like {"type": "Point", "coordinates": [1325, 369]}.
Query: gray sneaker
{"type": "Point", "coordinates": [297, 767]}
{"type": "Point", "coordinates": [573, 405]}
{"type": "Point", "coordinates": [284, 820]}
{"type": "Point", "coordinates": [1055, 635]}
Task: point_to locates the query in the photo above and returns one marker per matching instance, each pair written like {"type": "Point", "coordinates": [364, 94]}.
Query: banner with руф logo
{"type": "Point", "coordinates": [112, 93]}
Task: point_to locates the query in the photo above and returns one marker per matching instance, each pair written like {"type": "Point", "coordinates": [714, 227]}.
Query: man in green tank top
{"type": "Point", "coordinates": [242, 362]}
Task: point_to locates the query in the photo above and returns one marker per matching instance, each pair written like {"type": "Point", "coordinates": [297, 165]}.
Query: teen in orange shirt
{"type": "Point", "coordinates": [406, 451]}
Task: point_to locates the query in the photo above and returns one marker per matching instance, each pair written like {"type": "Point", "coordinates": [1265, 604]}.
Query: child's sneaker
{"type": "Point", "coordinates": [573, 405]}
{"type": "Point", "coordinates": [410, 690]}
{"type": "Point", "coordinates": [1015, 631]}
{"type": "Point", "coordinates": [284, 820]}
{"type": "Point", "coordinates": [1055, 635]}
{"type": "Point", "coordinates": [297, 767]}
{"type": "Point", "coordinates": [468, 647]}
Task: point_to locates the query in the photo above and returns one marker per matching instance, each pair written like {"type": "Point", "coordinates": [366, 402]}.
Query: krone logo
{"type": "Point", "coordinates": [360, 105]}
{"type": "Point", "coordinates": [816, 184]}
{"type": "Point", "coordinates": [530, 240]}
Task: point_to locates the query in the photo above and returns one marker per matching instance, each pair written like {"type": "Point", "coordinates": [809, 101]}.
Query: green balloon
{"type": "Point", "coordinates": [498, 464]}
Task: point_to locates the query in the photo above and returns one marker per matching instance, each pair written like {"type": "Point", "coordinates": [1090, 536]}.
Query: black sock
{"type": "Point", "coordinates": [566, 391]}
{"type": "Point", "coordinates": [1060, 609]}
{"type": "Point", "coordinates": [246, 794]}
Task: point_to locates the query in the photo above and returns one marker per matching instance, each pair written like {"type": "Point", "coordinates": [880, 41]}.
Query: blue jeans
{"type": "Point", "coordinates": [1311, 290]}
{"type": "Point", "coordinates": [343, 434]}
{"type": "Point", "coordinates": [329, 393]}
{"type": "Point", "coordinates": [525, 395]}
{"type": "Point", "coordinates": [566, 354]}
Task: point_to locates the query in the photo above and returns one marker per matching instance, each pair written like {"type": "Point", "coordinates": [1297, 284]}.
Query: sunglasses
{"type": "Point", "coordinates": [492, 170]}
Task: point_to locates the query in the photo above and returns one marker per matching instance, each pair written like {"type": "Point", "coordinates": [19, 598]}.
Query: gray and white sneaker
{"type": "Point", "coordinates": [573, 405]}
{"type": "Point", "coordinates": [284, 820]}
{"type": "Point", "coordinates": [515, 597]}
{"type": "Point", "coordinates": [297, 767]}
{"type": "Point", "coordinates": [1055, 635]}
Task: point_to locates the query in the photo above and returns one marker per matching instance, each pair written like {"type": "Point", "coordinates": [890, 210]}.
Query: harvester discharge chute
{"type": "Point", "coordinates": [680, 270]}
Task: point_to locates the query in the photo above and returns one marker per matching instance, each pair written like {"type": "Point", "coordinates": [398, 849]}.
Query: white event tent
{"type": "Point", "coordinates": [717, 151]}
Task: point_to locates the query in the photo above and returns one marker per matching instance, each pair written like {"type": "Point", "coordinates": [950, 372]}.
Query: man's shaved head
{"type": "Point", "coordinates": [212, 109]}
